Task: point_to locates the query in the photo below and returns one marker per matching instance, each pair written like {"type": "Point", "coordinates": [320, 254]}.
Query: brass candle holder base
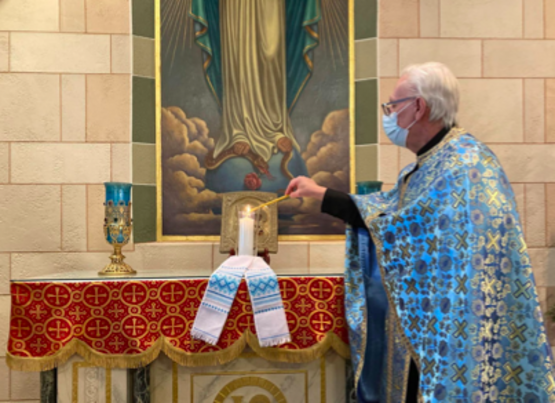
{"type": "Point", "coordinates": [117, 267]}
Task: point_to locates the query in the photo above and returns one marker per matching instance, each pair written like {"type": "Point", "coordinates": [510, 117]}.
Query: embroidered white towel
{"type": "Point", "coordinates": [269, 315]}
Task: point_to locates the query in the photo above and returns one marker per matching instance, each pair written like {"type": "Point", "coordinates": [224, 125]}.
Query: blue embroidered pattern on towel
{"type": "Point", "coordinates": [267, 305]}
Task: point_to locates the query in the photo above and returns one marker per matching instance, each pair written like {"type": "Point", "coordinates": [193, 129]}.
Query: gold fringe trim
{"type": "Point", "coordinates": [75, 346]}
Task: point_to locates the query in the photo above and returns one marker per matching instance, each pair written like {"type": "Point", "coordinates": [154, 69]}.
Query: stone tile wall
{"type": "Point", "coordinates": [65, 128]}
{"type": "Point", "coordinates": [503, 52]}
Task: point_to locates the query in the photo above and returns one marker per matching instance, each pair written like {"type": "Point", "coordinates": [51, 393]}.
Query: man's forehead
{"type": "Point", "coordinates": [401, 89]}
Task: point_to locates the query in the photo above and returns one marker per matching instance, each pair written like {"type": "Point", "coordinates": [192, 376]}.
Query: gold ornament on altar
{"type": "Point", "coordinates": [118, 226]}
{"type": "Point", "coordinates": [266, 223]}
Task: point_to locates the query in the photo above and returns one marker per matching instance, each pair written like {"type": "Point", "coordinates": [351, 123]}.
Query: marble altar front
{"type": "Point", "coordinates": [247, 379]}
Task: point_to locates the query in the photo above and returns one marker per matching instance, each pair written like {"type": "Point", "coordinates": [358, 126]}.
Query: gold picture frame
{"type": "Point", "coordinates": [160, 237]}
{"type": "Point", "coordinates": [268, 221]}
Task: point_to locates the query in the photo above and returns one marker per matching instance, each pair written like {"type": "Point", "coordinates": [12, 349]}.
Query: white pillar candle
{"type": "Point", "coordinates": [246, 233]}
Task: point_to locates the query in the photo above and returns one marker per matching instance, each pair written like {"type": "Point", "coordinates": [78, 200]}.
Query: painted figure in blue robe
{"type": "Point", "coordinates": [437, 268]}
{"type": "Point", "coordinates": [258, 58]}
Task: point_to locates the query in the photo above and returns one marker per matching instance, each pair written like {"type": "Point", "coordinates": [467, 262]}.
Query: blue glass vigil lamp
{"type": "Point", "coordinates": [117, 226]}
{"type": "Point", "coordinates": [367, 187]}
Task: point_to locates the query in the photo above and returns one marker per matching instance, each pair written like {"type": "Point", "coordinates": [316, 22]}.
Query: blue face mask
{"type": "Point", "coordinates": [394, 132]}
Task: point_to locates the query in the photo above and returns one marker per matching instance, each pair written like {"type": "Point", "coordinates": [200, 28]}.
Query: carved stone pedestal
{"type": "Point", "coordinates": [248, 379]}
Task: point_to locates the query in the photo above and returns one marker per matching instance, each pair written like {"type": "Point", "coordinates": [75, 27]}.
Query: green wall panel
{"type": "Point", "coordinates": [366, 112]}
{"type": "Point", "coordinates": [143, 18]}
{"type": "Point", "coordinates": [366, 19]}
{"type": "Point", "coordinates": [144, 110]}
{"type": "Point", "coordinates": [144, 213]}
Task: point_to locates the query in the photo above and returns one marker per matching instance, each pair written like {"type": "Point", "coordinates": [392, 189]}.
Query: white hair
{"type": "Point", "coordinates": [438, 86]}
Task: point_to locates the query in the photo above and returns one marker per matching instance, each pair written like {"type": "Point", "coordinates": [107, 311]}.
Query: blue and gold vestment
{"type": "Point", "coordinates": [454, 266]}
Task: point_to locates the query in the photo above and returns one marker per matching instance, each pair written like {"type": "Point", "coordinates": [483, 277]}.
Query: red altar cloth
{"type": "Point", "coordinates": [126, 323]}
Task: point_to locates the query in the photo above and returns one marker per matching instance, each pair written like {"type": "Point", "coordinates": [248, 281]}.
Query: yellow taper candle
{"type": "Point", "coordinates": [271, 202]}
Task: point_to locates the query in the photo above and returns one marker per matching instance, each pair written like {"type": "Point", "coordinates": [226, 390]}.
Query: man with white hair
{"type": "Point", "coordinates": [440, 297]}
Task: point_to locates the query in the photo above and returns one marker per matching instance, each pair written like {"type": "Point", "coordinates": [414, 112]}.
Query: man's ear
{"type": "Point", "coordinates": [421, 108]}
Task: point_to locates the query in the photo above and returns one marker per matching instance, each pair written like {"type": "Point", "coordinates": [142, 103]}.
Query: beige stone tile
{"type": "Point", "coordinates": [96, 197]}
{"type": "Point", "coordinates": [387, 85]}
{"type": "Point", "coordinates": [121, 162]}
{"type": "Point", "coordinates": [543, 260]}
{"type": "Point", "coordinates": [121, 54]}
{"type": "Point", "coordinates": [4, 380]}
{"type": "Point", "coordinates": [4, 51]}
{"type": "Point", "coordinates": [59, 52]}
{"type": "Point", "coordinates": [108, 16]}
{"type": "Point", "coordinates": [25, 385]}
{"type": "Point", "coordinates": [366, 161]}
{"type": "Point", "coordinates": [292, 258]}
{"type": "Point", "coordinates": [527, 162]}
{"type": "Point", "coordinates": [386, 187]}
{"type": "Point", "coordinates": [388, 170]}
{"type": "Point", "coordinates": [547, 301]}
{"type": "Point", "coordinates": [549, 18]}
{"type": "Point", "coordinates": [388, 57]}
{"type": "Point", "coordinates": [398, 18]}
{"type": "Point", "coordinates": [29, 107]}
{"type": "Point", "coordinates": [542, 297]}
{"type": "Point", "coordinates": [74, 218]}
{"type": "Point", "coordinates": [550, 206]}
{"type": "Point", "coordinates": [533, 18]}
{"type": "Point", "coordinates": [108, 108]}
{"type": "Point", "coordinates": [4, 162]}
{"type": "Point", "coordinates": [492, 109]}
{"type": "Point", "coordinates": [29, 15]}
{"type": "Point", "coordinates": [32, 265]}
{"type": "Point", "coordinates": [4, 321]}
{"type": "Point", "coordinates": [535, 215]}
{"type": "Point", "coordinates": [187, 259]}
{"type": "Point", "coordinates": [144, 164]}
{"type": "Point", "coordinates": [217, 257]}
{"type": "Point", "coordinates": [550, 110]}
{"type": "Point", "coordinates": [518, 190]}
{"type": "Point", "coordinates": [429, 18]}
{"type": "Point", "coordinates": [73, 107]}
{"type": "Point", "coordinates": [534, 110]}
{"type": "Point", "coordinates": [481, 19]}
{"type": "Point", "coordinates": [72, 15]}
{"type": "Point", "coordinates": [4, 273]}
{"type": "Point", "coordinates": [462, 56]}
{"type": "Point", "coordinates": [327, 257]}
{"type": "Point", "coordinates": [143, 56]}
{"type": "Point", "coordinates": [366, 58]}
{"type": "Point", "coordinates": [60, 163]}
{"type": "Point", "coordinates": [406, 157]}
{"type": "Point", "coordinates": [547, 305]}
{"type": "Point", "coordinates": [519, 58]}
{"type": "Point", "coordinates": [32, 221]}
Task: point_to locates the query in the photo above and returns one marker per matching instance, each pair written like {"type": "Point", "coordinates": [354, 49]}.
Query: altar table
{"type": "Point", "coordinates": [126, 322]}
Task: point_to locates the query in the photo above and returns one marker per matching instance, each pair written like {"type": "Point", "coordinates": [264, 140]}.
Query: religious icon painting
{"type": "Point", "coordinates": [251, 94]}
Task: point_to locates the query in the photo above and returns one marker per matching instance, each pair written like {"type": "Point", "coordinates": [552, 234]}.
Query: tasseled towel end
{"type": "Point", "coordinates": [275, 342]}
{"type": "Point", "coordinates": [199, 335]}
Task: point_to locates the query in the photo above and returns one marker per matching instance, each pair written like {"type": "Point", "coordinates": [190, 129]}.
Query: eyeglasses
{"type": "Point", "coordinates": [387, 106]}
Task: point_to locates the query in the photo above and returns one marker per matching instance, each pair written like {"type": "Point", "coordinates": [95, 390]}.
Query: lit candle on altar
{"type": "Point", "coordinates": [246, 232]}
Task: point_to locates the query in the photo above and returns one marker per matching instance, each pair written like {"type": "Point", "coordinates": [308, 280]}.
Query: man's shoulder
{"type": "Point", "coordinates": [472, 150]}
{"type": "Point", "coordinates": [475, 156]}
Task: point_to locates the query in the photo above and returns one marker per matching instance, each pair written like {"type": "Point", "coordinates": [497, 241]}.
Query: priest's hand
{"type": "Point", "coordinates": [302, 186]}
